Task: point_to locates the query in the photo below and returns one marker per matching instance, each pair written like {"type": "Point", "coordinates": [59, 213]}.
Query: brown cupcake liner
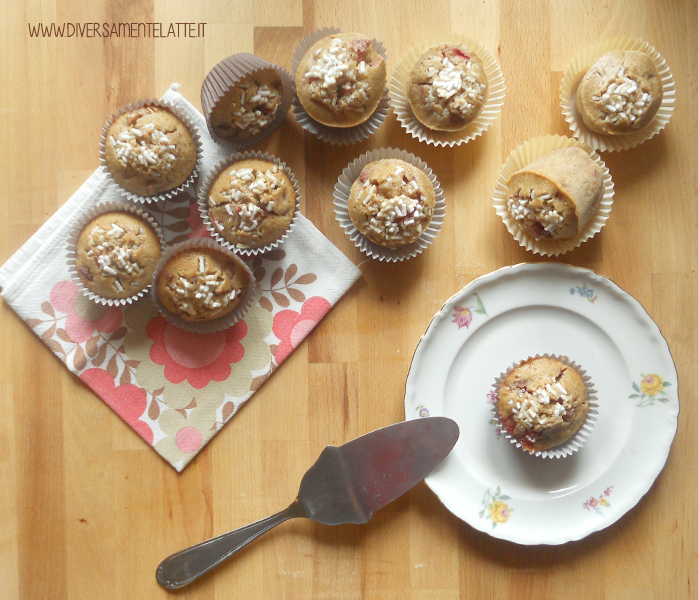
{"type": "Point", "coordinates": [524, 155]}
{"type": "Point", "coordinates": [342, 190]}
{"type": "Point", "coordinates": [577, 69]}
{"type": "Point", "coordinates": [225, 75]}
{"type": "Point", "coordinates": [189, 183]}
{"type": "Point", "coordinates": [578, 439]}
{"type": "Point", "coordinates": [403, 111]}
{"type": "Point", "coordinates": [337, 135]}
{"type": "Point", "coordinates": [203, 202]}
{"type": "Point", "coordinates": [73, 239]}
{"type": "Point", "coordinates": [204, 326]}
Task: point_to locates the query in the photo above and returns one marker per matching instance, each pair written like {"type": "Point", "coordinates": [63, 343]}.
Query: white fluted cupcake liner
{"type": "Point", "coordinates": [204, 326]}
{"type": "Point", "coordinates": [577, 440]}
{"type": "Point", "coordinates": [524, 155]}
{"type": "Point", "coordinates": [577, 69]}
{"type": "Point", "coordinates": [403, 111]}
{"type": "Point", "coordinates": [196, 136]}
{"type": "Point", "coordinates": [97, 210]}
{"type": "Point", "coordinates": [342, 189]}
{"type": "Point", "coordinates": [203, 202]}
{"type": "Point", "coordinates": [337, 135]}
{"type": "Point", "coordinates": [225, 75]}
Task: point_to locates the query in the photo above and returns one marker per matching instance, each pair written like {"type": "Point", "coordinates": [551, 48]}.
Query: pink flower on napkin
{"type": "Point", "coordinates": [196, 357]}
{"type": "Point", "coordinates": [292, 327]}
{"type": "Point", "coordinates": [84, 316]}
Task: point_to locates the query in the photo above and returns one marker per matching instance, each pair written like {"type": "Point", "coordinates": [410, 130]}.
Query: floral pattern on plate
{"type": "Point", "coordinates": [463, 315]}
{"type": "Point", "coordinates": [584, 292]}
{"type": "Point", "coordinates": [597, 504]}
{"type": "Point", "coordinates": [651, 388]}
{"type": "Point", "coordinates": [494, 508]}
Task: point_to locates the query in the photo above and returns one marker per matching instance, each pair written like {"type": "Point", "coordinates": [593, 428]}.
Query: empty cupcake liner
{"type": "Point", "coordinates": [225, 75]}
{"type": "Point", "coordinates": [203, 202]}
{"type": "Point", "coordinates": [401, 105]}
{"type": "Point", "coordinates": [188, 184]}
{"type": "Point", "coordinates": [337, 135]}
{"type": "Point", "coordinates": [577, 69]}
{"type": "Point", "coordinates": [522, 156]}
{"type": "Point", "coordinates": [204, 326]}
{"type": "Point", "coordinates": [342, 189]}
{"type": "Point", "coordinates": [577, 440]}
{"type": "Point", "coordinates": [97, 210]}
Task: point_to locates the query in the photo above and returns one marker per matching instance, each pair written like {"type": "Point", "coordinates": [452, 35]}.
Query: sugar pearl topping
{"type": "Point", "coordinates": [256, 107]}
{"type": "Point", "coordinates": [338, 75]}
{"type": "Point", "coordinates": [541, 209]}
{"type": "Point", "coordinates": [545, 405]}
{"type": "Point", "coordinates": [455, 84]}
{"type": "Point", "coordinates": [623, 101]}
{"type": "Point", "coordinates": [144, 147]}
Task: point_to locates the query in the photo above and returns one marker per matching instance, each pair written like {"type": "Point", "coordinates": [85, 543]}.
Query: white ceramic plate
{"type": "Point", "coordinates": [505, 317]}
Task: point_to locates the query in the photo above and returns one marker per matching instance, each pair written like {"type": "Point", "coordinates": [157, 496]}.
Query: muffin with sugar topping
{"type": "Point", "coordinates": [248, 107]}
{"type": "Point", "coordinates": [340, 80]}
{"type": "Point", "coordinates": [251, 203]}
{"type": "Point", "coordinates": [543, 403]}
{"type": "Point", "coordinates": [556, 195]}
{"type": "Point", "coordinates": [202, 284]}
{"type": "Point", "coordinates": [116, 254]}
{"type": "Point", "coordinates": [391, 202]}
{"type": "Point", "coordinates": [149, 150]}
{"type": "Point", "coordinates": [447, 88]}
{"type": "Point", "coordinates": [620, 93]}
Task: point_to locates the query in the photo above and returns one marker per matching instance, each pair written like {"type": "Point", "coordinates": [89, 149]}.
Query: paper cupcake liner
{"type": "Point", "coordinates": [204, 326]}
{"type": "Point", "coordinates": [337, 135]}
{"type": "Point", "coordinates": [525, 154]}
{"type": "Point", "coordinates": [225, 75]}
{"type": "Point", "coordinates": [73, 239]}
{"type": "Point", "coordinates": [342, 190]}
{"type": "Point", "coordinates": [578, 439]}
{"type": "Point", "coordinates": [489, 113]}
{"type": "Point", "coordinates": [189, 183]}
{"type": "Point", "coordinates": [577, 69]}
{"type": "Point", "coordinates": [203, 202]}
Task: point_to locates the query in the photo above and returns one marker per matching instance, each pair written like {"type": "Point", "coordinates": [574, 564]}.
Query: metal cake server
{"type": "Point", "coordinates": [345, 485]}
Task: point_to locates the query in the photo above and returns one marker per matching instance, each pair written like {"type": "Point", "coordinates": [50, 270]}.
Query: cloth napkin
{"type": "Point", "coordinates": [174, 388]}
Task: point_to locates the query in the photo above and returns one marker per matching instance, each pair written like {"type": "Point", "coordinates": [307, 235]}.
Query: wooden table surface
{"type": "Point", "coordinates": [88, 510]}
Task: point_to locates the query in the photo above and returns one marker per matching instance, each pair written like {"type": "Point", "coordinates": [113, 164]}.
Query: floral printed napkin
{"type": "Point", "coordinates": [174, 388]}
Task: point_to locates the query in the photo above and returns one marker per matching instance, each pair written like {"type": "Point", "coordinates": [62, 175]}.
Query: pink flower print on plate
{"type": "Point", "coordinates": [463, 315]}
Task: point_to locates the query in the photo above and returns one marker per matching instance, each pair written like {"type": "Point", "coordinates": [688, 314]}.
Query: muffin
{"type": "Point", "coordinates": [149, 151]}
{"type": "Point", "coordinates": [556, 195]}
{"type": "Point", "coordinates": [391, 202]}
{"type": "Point", "coordinates": [447, 87]}
{"type": "Point", "coordinates": [248, 107]}
{"type": "Point", "coordinates": [251, 203]}
{"type": "Point", "coordinates": [543, 403]}
{"type": "Point", "coordinates": [620, 93]}
{"type": "Point", "coordinates": [202, 284]}
{"type": "Point", "coordinates": [116, 254]}
{"type": "Point", "coordinates": [340, 80]}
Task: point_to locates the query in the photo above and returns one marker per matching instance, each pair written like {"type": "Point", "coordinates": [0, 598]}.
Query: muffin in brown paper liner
{"type": "Point", "coordinates": [577, 440]}
{"type": "Point", "coordinates": [494, 101]}
{"type": "Point", "coordinates": [576, 71]}
{"type": "Point", "coordinates": [342, 190]}
{"type": "Point", "coordinates": [223, 96]}
{"type": "Point", "coordinates": [72, 254]}
{"type": "Point", "coordinates": [524, 155]}
{"type": "Point", "coordinates": [204, 206]}
{"type": "Point", "coordinates": [337, 135]}
{"type": "Point", "coordinates": [188, 123]}
{"type": "Point", "coordinates": [204, 326]}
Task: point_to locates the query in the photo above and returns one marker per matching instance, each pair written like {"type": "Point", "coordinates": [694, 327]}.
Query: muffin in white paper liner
{"type": "Point", "coordinates": [579, 66]}
{"type": "Point", "coordinates": [225, 75]}
{"type": "Point", "coordinates": [337, 135]}
{"type": "Point", "coordinates": [524, 155]}
{"type": "Point", "coordinates": [221, 323]}
{"type": "Point", "coordinates": [97, 210]}
{"type": "Point", "coordinates": [578, 439]}
{"type": "Point", "coordinates": [342, 190]}
{"type": "Point", "coordinates": [196, 136]}
{"type": "Point", "coordinates": [403, 111]}
{"type": "Point", "coordinates": [211, 177]}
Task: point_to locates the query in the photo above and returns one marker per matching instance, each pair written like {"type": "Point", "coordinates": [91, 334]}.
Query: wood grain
{"type": "Point", "coordinates": [89, 511]}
